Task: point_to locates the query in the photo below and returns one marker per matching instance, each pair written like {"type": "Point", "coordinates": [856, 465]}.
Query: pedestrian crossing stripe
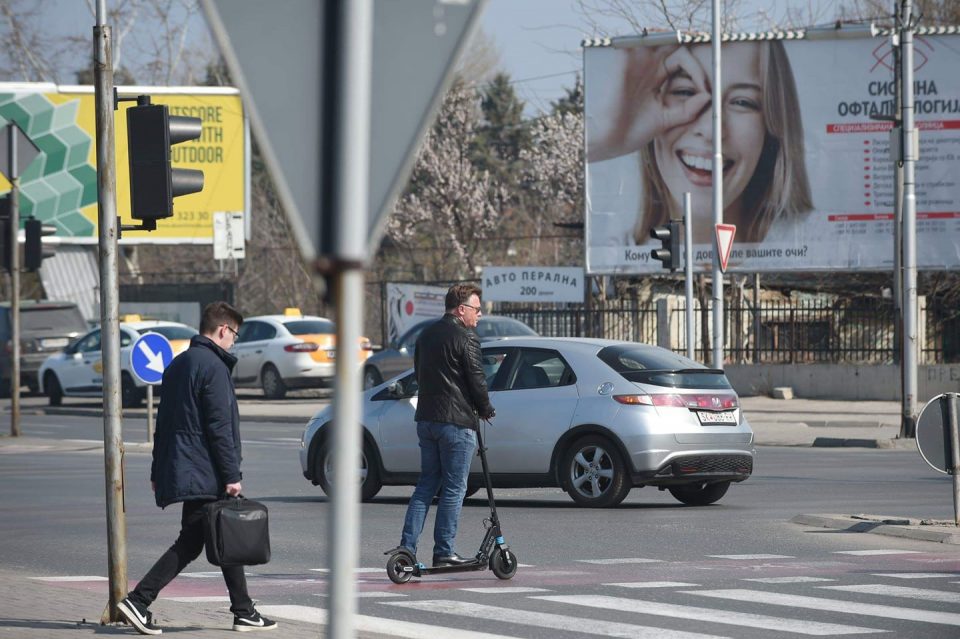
{"type": "Point", "coordinates": [623, 560]}
{"type": "Point", "coordinates": [758, 556]}
{"type": "Point", "coordinates": [868, 553]}
{"type": "Point", "coordinates": [743, 619]}
{"type": "Point", "coordinates": [924, 594]}
{"type": "Point", "coordinates": [504, 590]}
{"type": "Point", "coordinates": [69, 578]}
{"type": "Point", "coordinates": [654, 584]}
{"type": "Point", "coordinates": [220, 599]}
{"type": "Point", "coordinates": [788, 580]}
{"type": "Point", "coordinates": [546, 620]}
{"type": "Point", "coordinates": [917, 575]}
{"type": "Point", "coordinates": [832, 605]}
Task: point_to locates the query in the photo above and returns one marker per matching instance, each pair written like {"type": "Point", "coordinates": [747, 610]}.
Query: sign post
{"type": "Point", "coordinates": [150, 356]}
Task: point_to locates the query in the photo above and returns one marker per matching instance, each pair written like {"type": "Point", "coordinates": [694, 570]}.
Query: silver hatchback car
{"type": "Point", "coordinates": [595, 417]}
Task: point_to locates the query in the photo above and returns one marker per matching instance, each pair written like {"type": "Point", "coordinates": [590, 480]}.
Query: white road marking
{"type": "Point", "coordinates": [654, 584]}
{"type": "Point", "coordinates": [368, 594]}
{"type": "Point", "coordinates": [510, 590]}
{"type": "Point", "coordinates": [760, 556]}
{"type": "Point", "coordinates": [72, 578]}
{"type": "Point", "coordinates": [199, 599]}
{"type": "Point", "coordinates": [924, 594]}
{"type": "Point", "coordinates": [624, 560]}
{"type": "Point", "coordinates": [358, 570]}
{"type": "Point", "coordinates": [788, 580]}
{"type": "Point", "coordinates": [917, 575]}
{"type": "Point", "coordinates": [578, 625]}
{"type": "Point", "coordinates": [865, 553]}
{"type": "Point", "coordinates": [376, 625]}
{"type": "Point", "coordinates": [743, 619]}
{"type": "Point", "coordinates": [832, 605]}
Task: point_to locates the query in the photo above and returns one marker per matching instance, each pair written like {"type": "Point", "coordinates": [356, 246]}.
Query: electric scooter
{"type": "Point", "coordinates": [493, 554]}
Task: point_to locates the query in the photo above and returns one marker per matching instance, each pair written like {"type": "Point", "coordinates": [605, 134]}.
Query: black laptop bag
{"type": "Point", "coordinates": [236, 532]}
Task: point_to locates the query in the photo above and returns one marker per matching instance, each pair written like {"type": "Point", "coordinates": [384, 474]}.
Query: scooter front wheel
{"type": "Point", "coordinates": [503, 563]}
{"type": "Point", "coordinates": [399, 568]}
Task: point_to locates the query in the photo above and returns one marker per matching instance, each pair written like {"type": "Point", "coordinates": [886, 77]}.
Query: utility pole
{"type": "Point", "coordinates": [14, 245]}
{"type": "Point", "coordinates": [909, 149]}
{"type": "Point", "coordinates": [718, 332]}
{"type": "Point", "coordinates": [109, 313]}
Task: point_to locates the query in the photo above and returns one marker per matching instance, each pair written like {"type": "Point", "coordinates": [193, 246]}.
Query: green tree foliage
{"type": "Point", "coordinates": [503, 134]}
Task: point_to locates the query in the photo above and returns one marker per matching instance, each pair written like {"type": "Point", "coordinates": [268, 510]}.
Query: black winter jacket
{"type": "Point", "coordinates": [452, 386]}
{"type": "Point", "coordinates": [196, 450]}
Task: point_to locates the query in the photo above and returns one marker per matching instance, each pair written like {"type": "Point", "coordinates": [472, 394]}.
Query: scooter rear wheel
{"type": "Point", "coordinates": [503, 563]}
{"type": "Point", "coordinates": [395, 568]}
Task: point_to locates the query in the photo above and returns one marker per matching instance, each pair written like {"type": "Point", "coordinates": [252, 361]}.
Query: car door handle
{"type": "Point", "coordinates": [257, 352]}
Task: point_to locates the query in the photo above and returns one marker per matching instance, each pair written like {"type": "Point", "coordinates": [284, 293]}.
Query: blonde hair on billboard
{"type": "Point", "coordinates": [779, 187]}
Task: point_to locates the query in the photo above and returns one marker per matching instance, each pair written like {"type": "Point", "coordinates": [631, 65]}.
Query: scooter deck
{"type": "Point", "coordinates": [468, 567]}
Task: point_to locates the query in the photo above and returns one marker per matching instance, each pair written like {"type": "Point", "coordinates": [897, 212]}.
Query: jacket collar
{"type": "Point", "coordinates": [453, 319]}
{"type": "Point", "coordinates": [202, 341]}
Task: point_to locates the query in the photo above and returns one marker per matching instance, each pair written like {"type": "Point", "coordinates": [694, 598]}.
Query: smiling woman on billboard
{"type": "Point", "coordinates": [661, 110]}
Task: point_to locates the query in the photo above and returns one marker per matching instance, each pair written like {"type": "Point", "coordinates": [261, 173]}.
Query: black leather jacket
{"type": "Point", "coordinates": [452, 386]}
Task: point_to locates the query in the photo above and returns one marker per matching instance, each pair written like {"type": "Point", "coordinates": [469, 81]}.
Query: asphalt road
{"type": "Point", "coordinates": [735, 569]}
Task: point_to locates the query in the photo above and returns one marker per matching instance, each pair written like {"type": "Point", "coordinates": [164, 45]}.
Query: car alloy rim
{"type": "Point", "coordinates": [369, 379]}
{"type": "Point", "coordinates": [328, 468]}
{"type": "Point", "coordinates": [270, 381]}
{"type": "Point", "coordinates": [591, 471]}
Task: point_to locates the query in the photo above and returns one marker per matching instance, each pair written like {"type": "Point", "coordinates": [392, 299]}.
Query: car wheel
{"type": "Point", "coordinates": [54, 392]}
{"type": "Point", "coordinates": [594, 473]}
{"type": "Point", "coordinates": [272, 383]}
{"type": "Point", "coordinates": [371, 377]}
{"type": "Point", "coordinates": [369, 473]}
{"type": "Point", "coordinates": [700, 494]}
{"type": "Point", "coordinates": [129, 393]}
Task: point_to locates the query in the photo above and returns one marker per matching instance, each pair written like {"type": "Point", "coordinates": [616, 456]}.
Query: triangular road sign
{"type": "Point", "coordinates": [275, 55]}
{"type": "Point", "coordinates": [725, 233]}
{"type": "Point", "coordinates": [27, 151]}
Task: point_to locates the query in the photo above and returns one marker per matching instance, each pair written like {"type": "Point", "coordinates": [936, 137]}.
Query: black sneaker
{"type": "Point", "coordinates": [138, 617]}
{"type": "Point", "coordinates": [253, 621]}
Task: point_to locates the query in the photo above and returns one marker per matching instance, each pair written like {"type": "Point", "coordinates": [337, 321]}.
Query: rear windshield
{"type": "Point", "coordinates": [660, 367]}
{"type": "Point", "coordinates": [170, 332]}
{"type": "Point", "coordinates": [311, 327]}
{"type": "Point", "coordinates": [61, 320]}
{"type": "Point", "coordinates": [503, 327]}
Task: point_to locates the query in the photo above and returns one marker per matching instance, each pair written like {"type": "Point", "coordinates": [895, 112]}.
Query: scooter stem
{"type": "Point", "coordinates": [486, 478]}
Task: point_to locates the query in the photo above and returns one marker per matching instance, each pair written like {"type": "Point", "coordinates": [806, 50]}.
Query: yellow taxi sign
{"type": "Point", "coordinates": [131, 317]}
{"type": "Point", "coordinates": [292, 311]}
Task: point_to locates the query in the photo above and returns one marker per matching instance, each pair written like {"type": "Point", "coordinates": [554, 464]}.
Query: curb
{"type": "Point", "coordinates": [854, 442]}
{"type": "Point", "coordinates": [142, 414]}
{"type": "Point", "coordinates": [938, 531]}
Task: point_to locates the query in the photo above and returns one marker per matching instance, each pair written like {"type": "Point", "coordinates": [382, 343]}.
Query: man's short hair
{"type": "Point", "coordinates": [460, 294]}
{"type": "Point", "coordinates": [216, 314]}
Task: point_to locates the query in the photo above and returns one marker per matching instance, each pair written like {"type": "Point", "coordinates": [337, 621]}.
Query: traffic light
{"type": "Point", "coordinates": [6, 253]}
{"type": "Point", "coordinates": [33, 251]}
{"type": "Point", "coordinates": [669, 251]}
{"type": "Point", "coordinates": [151, 130]}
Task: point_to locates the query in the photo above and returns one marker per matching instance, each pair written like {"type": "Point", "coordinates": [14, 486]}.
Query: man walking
{"type": "Point", "coordinates": [196, 459]}
{"type": "Point", "coordinates": [452, 394]}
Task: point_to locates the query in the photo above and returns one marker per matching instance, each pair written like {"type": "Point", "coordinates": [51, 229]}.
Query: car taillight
{"type": "Point", "coordinates": [717, 401]}
{"type": "Point", "coordinates": [301, 347]}
{"type": "Point", "coordinates": [674, 400]}
{"type": "Point", "coordinates": [365, 345]}
{"type": "Point", "coordinates": [634, 400]}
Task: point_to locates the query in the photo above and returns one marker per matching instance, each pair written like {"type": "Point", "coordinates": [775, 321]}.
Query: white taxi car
{"type": "Point", "coordinates": [281, 352]}
{"type": "Point", "coordinates": [77, 371]}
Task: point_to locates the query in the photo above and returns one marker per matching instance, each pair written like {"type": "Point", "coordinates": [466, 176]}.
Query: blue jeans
{"type": "Point", "coordinates": [445, 454]}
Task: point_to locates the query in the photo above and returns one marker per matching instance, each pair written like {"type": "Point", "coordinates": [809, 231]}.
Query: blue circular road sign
{"type": "Point", "coordinates": [151, 354]}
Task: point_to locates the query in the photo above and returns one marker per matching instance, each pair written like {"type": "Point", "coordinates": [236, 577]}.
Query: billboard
{"type": "Point", "coordinates": [410, 304]}
{"type": "Point", "coordinates": [532, 284]}
{"type": "Point", "coordinates": [60, 188]}
{"type": "Point", "coordinates": [808, 177]}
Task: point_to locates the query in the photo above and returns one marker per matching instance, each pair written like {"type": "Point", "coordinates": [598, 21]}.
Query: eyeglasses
{"type": "Point", "coordinates": [476, 309]}
{"type": "Point", "coordinates": [230, 328]}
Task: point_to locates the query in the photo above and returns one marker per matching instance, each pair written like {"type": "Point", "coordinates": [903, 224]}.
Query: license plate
{"type": "Point", "coordinates": [710, 417]}
{"type": "Point", "coordinates": [54, 342]}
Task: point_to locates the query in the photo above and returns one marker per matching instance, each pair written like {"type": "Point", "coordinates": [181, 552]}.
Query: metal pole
{"type": "Point", "coordinates": [910, 315]}
{"type": "Point", "coordinates": [109, 314]}
{"type": "Point", "coordinates": [756, 318]}
{"type": "Point", "coordinates": [688, 269]}
{"type": "Point", "coordinates": [14, 281]}
{"type": "Point", "coordinates": [954, 454]}
{"type": "Point", "coordinates": [897, 198]}
{"type": "Point", "coordinates": [717, 190]}
{"type": "Point", "coordinates": [149, 413]}
{"type": "Point", "coordinates": [351, 154]}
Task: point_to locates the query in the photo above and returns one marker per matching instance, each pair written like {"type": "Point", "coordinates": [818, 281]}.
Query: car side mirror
{"type": "Point", "coordinates": [395, 389]}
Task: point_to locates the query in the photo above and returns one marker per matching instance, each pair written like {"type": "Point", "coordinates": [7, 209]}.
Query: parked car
{"type": "Point", "coordinates": [78, 370]}
{"type": "Point", "coordinates": [45, 328]}
{"type": "Point", "coordinates": [398, 357]}
{"type": "Point", "coordinates": [594, 417]}
{"type": "Point", "coordinates": [280, 352]}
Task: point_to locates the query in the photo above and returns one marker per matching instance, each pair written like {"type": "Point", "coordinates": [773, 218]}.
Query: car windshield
{"type": "Point", "coordinates": [502, 327]}
{"type": "Point", "coordinates": [660, 367]}
{"type": "Point", "coordinates": [45, 319]}
{"type": "Point", "coordinates": [311, 327]}
{"type": "Point", "coordinates": [170, 332]}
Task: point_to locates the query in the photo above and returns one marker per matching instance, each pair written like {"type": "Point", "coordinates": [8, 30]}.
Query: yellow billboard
{"type": "Point", "coordinates": [60, 186]}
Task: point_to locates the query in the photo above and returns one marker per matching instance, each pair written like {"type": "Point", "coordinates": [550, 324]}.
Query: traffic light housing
{"type": "Point", "coordinates": [33, 250]}
{"type": "Point", "coordinates": [6, 252]}
{"type": "Point", "coordinates": [669, 252]}
{"type": "Point", "coordinates": [151, 130]}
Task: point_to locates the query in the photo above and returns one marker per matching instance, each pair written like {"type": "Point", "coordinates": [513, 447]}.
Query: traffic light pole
{"type": "Point", "coordinates": [14, 282]}
{"type": "Point", "coordinates": [718, 331]}
{"type": "Point", "coordinates": [109, 314]}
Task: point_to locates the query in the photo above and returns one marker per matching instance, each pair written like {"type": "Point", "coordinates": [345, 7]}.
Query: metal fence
{"type": "Point", "coordinates": [857, 331]}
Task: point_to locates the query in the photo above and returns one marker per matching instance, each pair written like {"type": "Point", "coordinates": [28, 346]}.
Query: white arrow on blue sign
{"type": "Point", "coordinates": [151, 355]}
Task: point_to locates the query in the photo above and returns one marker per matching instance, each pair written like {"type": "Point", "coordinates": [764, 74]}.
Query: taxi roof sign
{"type": "Point", "coordinates": [292, 311]}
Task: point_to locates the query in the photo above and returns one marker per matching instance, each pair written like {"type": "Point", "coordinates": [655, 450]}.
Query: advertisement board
{"type": "Point", "coordinates": [60, 188]}
{"type": "Point", "coordinates": [409, 304]}
{"type": "Point", "coordinates": [808, 177]}
{"type": "Point", "coordinates": [532, 284]}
